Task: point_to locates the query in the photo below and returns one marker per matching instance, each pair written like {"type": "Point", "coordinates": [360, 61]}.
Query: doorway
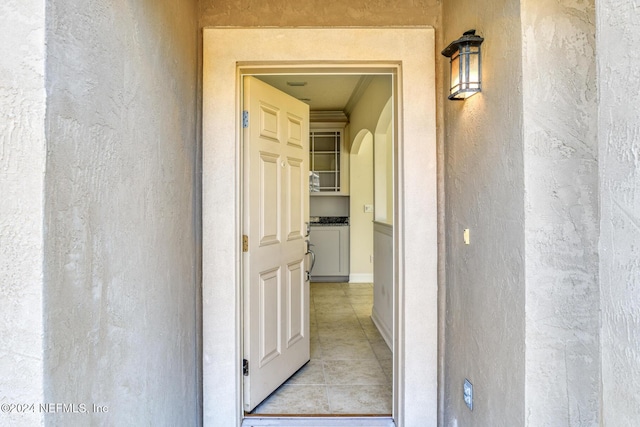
{"type": "Point", "coordinates": [350, 367]}
{"type": "Point", "coordinates": [409, 52]}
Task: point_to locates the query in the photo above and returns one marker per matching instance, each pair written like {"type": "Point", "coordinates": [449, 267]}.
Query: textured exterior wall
{"type": "Point", "coordinates": [22, 162]}
{"type": "Point", "coordinates": [485, 291]}
{"type": "Point", "coordinates": [251, 13]}
{"type": "Point", "coordinates": [120, 310]}
{"type": "Point", "coordinates": [561, 204]}
{"type": "Point", "coordinates": [619, 151]}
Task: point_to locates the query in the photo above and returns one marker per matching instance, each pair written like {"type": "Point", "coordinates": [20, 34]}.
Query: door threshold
{"type": "Point", "coordinates": [318, 421]}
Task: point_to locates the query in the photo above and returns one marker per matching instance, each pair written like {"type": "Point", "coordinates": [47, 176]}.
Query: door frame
{"type": "Point", "coordinates": [411, 52]}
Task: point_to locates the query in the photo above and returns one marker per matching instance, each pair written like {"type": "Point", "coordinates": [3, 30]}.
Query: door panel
{"type": "Point", "coordinates": [296, 299]}
{"type": "Point", "coordinates": [269, 122]}
{"type": "Point", "coordinates": [276, 207]}
{"type": "Point", "coordinates": [270, 292]}
{"type": "Point", "coordinates": [294, 130]}
{"type": "Point", "coordinates": [295, 199]}
{"type": "Point", "coordinates": [269, 182]}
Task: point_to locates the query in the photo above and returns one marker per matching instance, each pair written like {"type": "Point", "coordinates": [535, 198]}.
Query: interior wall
{"type": "Point", "coordinates": [619, 150]}
{"type": "Point", "coordinates": [120, 257]}
{"type": "Point", "coordinates": [361, 222]}
{"type": "Point", "coordinates": [365, 115]}
{"type": "Point", "coordinates": [22, 165]}
{"type": "Point", "coordinates": [561, 209]}
{"type": "Point", "coordinates": [484, 179]}
{"type": "Point", "coordinates": [383, 159]}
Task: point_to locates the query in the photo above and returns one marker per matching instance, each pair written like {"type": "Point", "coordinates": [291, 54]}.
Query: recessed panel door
{"type": "Point", "coordinates": [276, 207]}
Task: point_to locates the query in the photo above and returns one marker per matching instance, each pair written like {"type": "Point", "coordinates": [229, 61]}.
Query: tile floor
{"type": "Point", "coordinates": [351, 365]}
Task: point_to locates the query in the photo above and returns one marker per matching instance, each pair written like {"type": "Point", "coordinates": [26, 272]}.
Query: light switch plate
{"type": "Point", "coordinates": [368, 208]}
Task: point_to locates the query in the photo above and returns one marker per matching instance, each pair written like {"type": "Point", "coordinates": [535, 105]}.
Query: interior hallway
{"type": "Point", "coordinates": [350, 371]}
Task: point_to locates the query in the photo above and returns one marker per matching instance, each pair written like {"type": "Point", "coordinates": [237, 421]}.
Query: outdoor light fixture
{"type": "Point", "coordinates": [465, 65]}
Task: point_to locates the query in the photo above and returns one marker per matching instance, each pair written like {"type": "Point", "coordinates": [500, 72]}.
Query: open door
{"type": "Point", "coordinates": [276, 209]}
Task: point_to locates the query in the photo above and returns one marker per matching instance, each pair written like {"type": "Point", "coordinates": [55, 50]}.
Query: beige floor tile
{"type": "Point", "coordinates": [315, 350]}
{"type": "Point", "coordinates": [351, 367]}
{"type": "Point", "coordinates": [336, 316]}
{"type": "Point", "coordinates": [338, 320]}
{"type": "Point", "coordinates": [324, 308]}
{"type": "Point", "coordinates": [362, 310]}
{"type": "Point", "coordinates": [362, 292]}
{"type": "Point", "coordinates": [340, 332]}
{"type": "Point", "coordinates": [367, 286]}
{"type": "Point", "coordinates": [315, 286]}
{"type": "Point", "coordinates": [296, 399]}
{"type": "Point", "coordinates": [330, 299]}
{"type": "Point", "coordinates": [360, 299]}
{"type": "Point", "coordinates": [349, 399]}
{"type": "Point", "coordinates": [387, 368]}
{"type": "Point", "coordinates": [346, 349]}
{"type": "Point", "coordinates": [310, 374]}
{"type": "Point", "coordinates": [354, 372]}
{"type": "Point", "coordinates": [381, 349]}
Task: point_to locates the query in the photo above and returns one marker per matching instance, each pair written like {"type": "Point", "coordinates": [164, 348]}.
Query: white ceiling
{"type": "Point", "coordinates": [321, 92]}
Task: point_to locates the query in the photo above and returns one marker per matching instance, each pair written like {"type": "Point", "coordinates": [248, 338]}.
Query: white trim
{"type": "Point", "coordinates": [411, 51]}
{"type": "Point", "coordinates": [361, 278]}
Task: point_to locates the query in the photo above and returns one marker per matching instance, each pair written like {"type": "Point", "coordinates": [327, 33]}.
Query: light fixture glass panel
{"type": "Point", "coordinates": [455, 74]}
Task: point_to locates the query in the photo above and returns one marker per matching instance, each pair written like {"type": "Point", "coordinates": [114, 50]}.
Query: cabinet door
{"type": "Point", "coordinates": [326, 246]}
{"type": "Point", "coordinates": [328, 159]}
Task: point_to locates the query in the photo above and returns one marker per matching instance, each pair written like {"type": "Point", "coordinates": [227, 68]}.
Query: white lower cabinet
{"type": "Point", "coordinates": [331, 247]}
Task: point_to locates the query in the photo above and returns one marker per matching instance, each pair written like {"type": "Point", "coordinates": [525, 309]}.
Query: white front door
{"type": "Point", "coordinates": [276, 209]}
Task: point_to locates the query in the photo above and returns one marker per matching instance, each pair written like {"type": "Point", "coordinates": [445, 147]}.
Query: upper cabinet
{"type": "Point", "coordinates": [329, 159]}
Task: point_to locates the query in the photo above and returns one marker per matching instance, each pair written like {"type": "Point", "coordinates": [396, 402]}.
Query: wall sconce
{"type": "Point", "coordinates": [466, 65]}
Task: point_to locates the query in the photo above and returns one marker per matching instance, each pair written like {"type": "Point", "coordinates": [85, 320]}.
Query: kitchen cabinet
{"type": "Point", "coordinates": [328, 158]}
{"type": "Point", "coordinates": [331, 248]}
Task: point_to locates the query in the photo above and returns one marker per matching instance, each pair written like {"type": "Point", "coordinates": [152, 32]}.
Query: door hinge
{"type": "Point", "coordinates": [245, 367]}
{"type": "Point", "coordinates": [245, 243]}
{"type": "Point", "coordinates": [245, 119]}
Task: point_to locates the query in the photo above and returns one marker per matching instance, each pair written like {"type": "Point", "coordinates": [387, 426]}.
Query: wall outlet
{"type": "Point", "coordinates": [468, 393]}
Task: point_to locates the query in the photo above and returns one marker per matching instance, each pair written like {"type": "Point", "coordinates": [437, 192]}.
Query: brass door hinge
{"type": "Point", "coordinates": [245, 243]}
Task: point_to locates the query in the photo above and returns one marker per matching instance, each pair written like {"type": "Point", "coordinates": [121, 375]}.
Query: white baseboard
{"type": "Point", "coordinates": [361, 278]}
{"type": "Point", "coordinates": [382, 328]}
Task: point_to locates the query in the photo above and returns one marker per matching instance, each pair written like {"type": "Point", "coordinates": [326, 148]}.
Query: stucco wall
{"type": "Point", "coordinates": [561, 208]}
{"type": "Point", "coordinates": [619, 151]}
{"type": "Point", "coordinates": [22, 163]}
{"type": "Point", "coordinates": [120, 300]}
{"type": "Point", "coordinates": [485, 290]}
{"type": "Point", "coordinates": [252, 13]}
{"type": "Point", "coordinates": [521, 173]}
